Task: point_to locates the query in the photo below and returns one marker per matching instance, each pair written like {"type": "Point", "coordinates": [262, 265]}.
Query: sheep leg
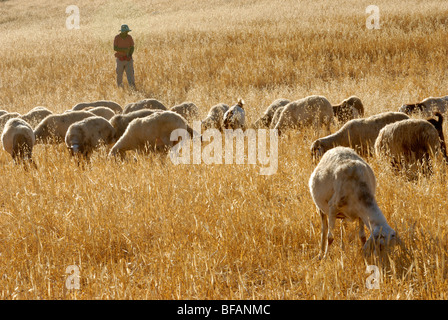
{"type": "Point", "coordinates": [331, 222]}
{"type": "Point", "coordinates": [323, 240]}
{"type": "Point", "coordinates": [362, 232]}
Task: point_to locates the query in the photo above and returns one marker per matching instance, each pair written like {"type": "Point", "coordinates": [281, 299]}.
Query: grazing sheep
{"type": "Point", "coordinates": [188, 110]}
{"type": "Point", "coordinates": [276, 116]}
{"type": "Point", "coordinates": [265, 120]}
{"type": "Point", "coordinates": [18, 140]}
{"type": "Point", "coordinates": [215, 117]}
{"type": "Point", "coordinates": [144, 104]}
{"type": "Point", "coordinates": [4, 118]}
{"type": "Point", "coordinates": [349, 109]}
{"type": "Point", "coordinates": [307, 111]}
{"type": "Point", "coordinates": [359, 134]}
{"type": "Point", "coordinates": [343, 186]}
{"type": "Point", "coordinates": [54, 127]}
{"type": "Point", "coordinates": [104, 112]}
{"type": "Point", "coordinates": [410, 145]}
{"type": "Point", "coordinates": [100, 103]}
{"type": "Point", "coordinates": [121, 121]}
{"type": "Point", "coordinates": [426, 107]}
{"type": "Point", "coordinates": [86, 135]}
{"type": "Point", "coordinates": [36, 115]}
{"type": "Point", "coordinates": [235, 117]}
{"type": "Point", "coordinates": [150, 133]}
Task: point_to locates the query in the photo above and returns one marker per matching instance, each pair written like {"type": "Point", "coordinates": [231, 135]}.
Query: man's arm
{"type": "Point", "coordinates": [131, 51]}
{"type": "Point", "coordinates": [125, 50]}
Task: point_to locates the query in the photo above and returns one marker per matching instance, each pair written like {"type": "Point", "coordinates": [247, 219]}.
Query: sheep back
{"type": "Point", "coordinates": [150, 132]}
{"type": "Point", "coordinates": [18, 138]}
{"type": "Point", "coordinates": [265, 120]}
{"type": "Point", "coordinates": [144, 104]}
{"type": "Point", "coordinates": [100, 103]}
{"type": "Point", "coordinates": [54, 127]}
{"type": "Point", "coordinates": [307, 111]}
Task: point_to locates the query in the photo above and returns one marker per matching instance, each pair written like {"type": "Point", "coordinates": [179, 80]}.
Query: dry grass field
{"type": "Point", "coordinates": [149, 229]}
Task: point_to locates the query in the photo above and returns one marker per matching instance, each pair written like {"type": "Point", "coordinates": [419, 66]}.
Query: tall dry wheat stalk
{"type": "Point", "coordinates": [148, 229]}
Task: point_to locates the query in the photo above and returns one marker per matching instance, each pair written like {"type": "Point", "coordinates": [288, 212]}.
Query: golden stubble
{"type": "Point", "coordinates": [148, 229]}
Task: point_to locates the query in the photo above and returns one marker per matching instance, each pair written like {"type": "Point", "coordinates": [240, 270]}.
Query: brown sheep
{"type": "Point", "coordinates": [349, 109]}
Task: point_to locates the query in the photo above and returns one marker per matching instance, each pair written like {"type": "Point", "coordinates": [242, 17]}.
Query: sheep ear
{"type": "Point", "coordinates": [241, 102]}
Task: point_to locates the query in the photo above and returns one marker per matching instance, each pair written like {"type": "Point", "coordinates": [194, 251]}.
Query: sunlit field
{"type": "Point", "coordinates": [145, 228]}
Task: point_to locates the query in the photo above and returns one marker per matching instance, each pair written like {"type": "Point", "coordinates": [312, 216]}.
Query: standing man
{"type": "Point", "coordinates": [124, 47]}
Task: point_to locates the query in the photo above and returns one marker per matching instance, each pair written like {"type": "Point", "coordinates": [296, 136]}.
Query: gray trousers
{"type": "Point", "coordinates": [127, 66]}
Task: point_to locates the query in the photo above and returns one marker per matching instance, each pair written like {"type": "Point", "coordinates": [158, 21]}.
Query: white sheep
{"type": "Point", "coordinates": [100, 103]}
{"type": "Point", "coordinates": [150, 133]}
{"type": "Point", "coordinates": [121, 121]}
{"type": "Point", "coordinates": [105, 112]}
{"type": "Point", "coordinates": [426, 107]}
{"type": "Point", "coordinates": [235, 117]}
{"type": "Point", "coordinates": [265, 120]}
{"type": "Point", "coordinates": [188, 110]}
{"type": "Point", "coordinates": [410, 145]}
{"type": "Point", "coordinates": [359, 134]}
{"type": "Point", "coordinates": [349, 109]}
{"type": "Point", "coordinates": [144, 104]}
{"type": "Point", "coordinates": [343, 186]}
{"type": "Point", "coordinates": [84, 136]}
{"type": "Point", "coordinates": [4, 118]}
{"type": "Point", "coordinates": [215, 116]}
{"type": "Point", "coordinates": [276, 116]}
{"type": "Point", "coordinates": [311, 110]}
{"type": "Point", "coordinates": [36, 115]}
{"type": "Point", "coordinates": [18, 140]}
{"type": "Point", "coordinates": [54, 127]}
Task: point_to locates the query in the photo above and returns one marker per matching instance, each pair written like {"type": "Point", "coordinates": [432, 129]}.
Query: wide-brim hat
{"type": "Point", "coordinates": [125, 28]}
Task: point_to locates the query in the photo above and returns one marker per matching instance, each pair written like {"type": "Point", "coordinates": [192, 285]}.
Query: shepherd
{"type": "Point", "coordinates": [124, 48]}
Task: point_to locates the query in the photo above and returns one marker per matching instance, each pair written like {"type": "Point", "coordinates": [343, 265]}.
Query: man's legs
{"type": "Point", "coordinates": [120, 70]}
{"type": "Point", "coordinates": [130, 73]}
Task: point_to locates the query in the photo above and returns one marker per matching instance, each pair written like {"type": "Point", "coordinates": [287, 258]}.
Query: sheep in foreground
{"type": "Point", "coordinates": [89, 134]}
{"type": "Point", "coordinates": [36, 115]}
{"type": "Point", "coordinates": [144, 104]}
{"type": "Point", "coordinates": [359, 134]}
{"type": "Point", "coordinates": [4, 118]}
{"type": "Point", "coordinates": [343, 186]}
{"type": "Point", "coordinates": [100, 103]}
{"type": "Point", "coordinates": [307, 111]}
{"type": "Point", "coordinates": [104, 112]}
{"type": "Point", "coordinates": [235, 117]}
{"type": "Point", "coordinates": [121, 121]}
{"type": "Point", "coordinates": [54, 127]}
{"type": "Point", "coordinates": [426, 107]}
{"type": "Point", "coordinates": [349, 109]}
{"type": "Point", "coordinates": [150, 133]}
{"type": "Point", "coordinates": [18, 140]}
{"type": "Point", "coordinates": [214, 117]}
{"type": "Point", "coordinates": [188, 110]}
{"type": "Point", "coordinates": [265, 120]}
{"type": "Point", "coordinates": [411, 145]}
{"type": "Point", "coordinates": [276, 116]}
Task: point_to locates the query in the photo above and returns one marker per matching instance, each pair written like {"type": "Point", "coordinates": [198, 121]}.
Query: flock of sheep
{"type": "Point", "coordinates": [342, 184]}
